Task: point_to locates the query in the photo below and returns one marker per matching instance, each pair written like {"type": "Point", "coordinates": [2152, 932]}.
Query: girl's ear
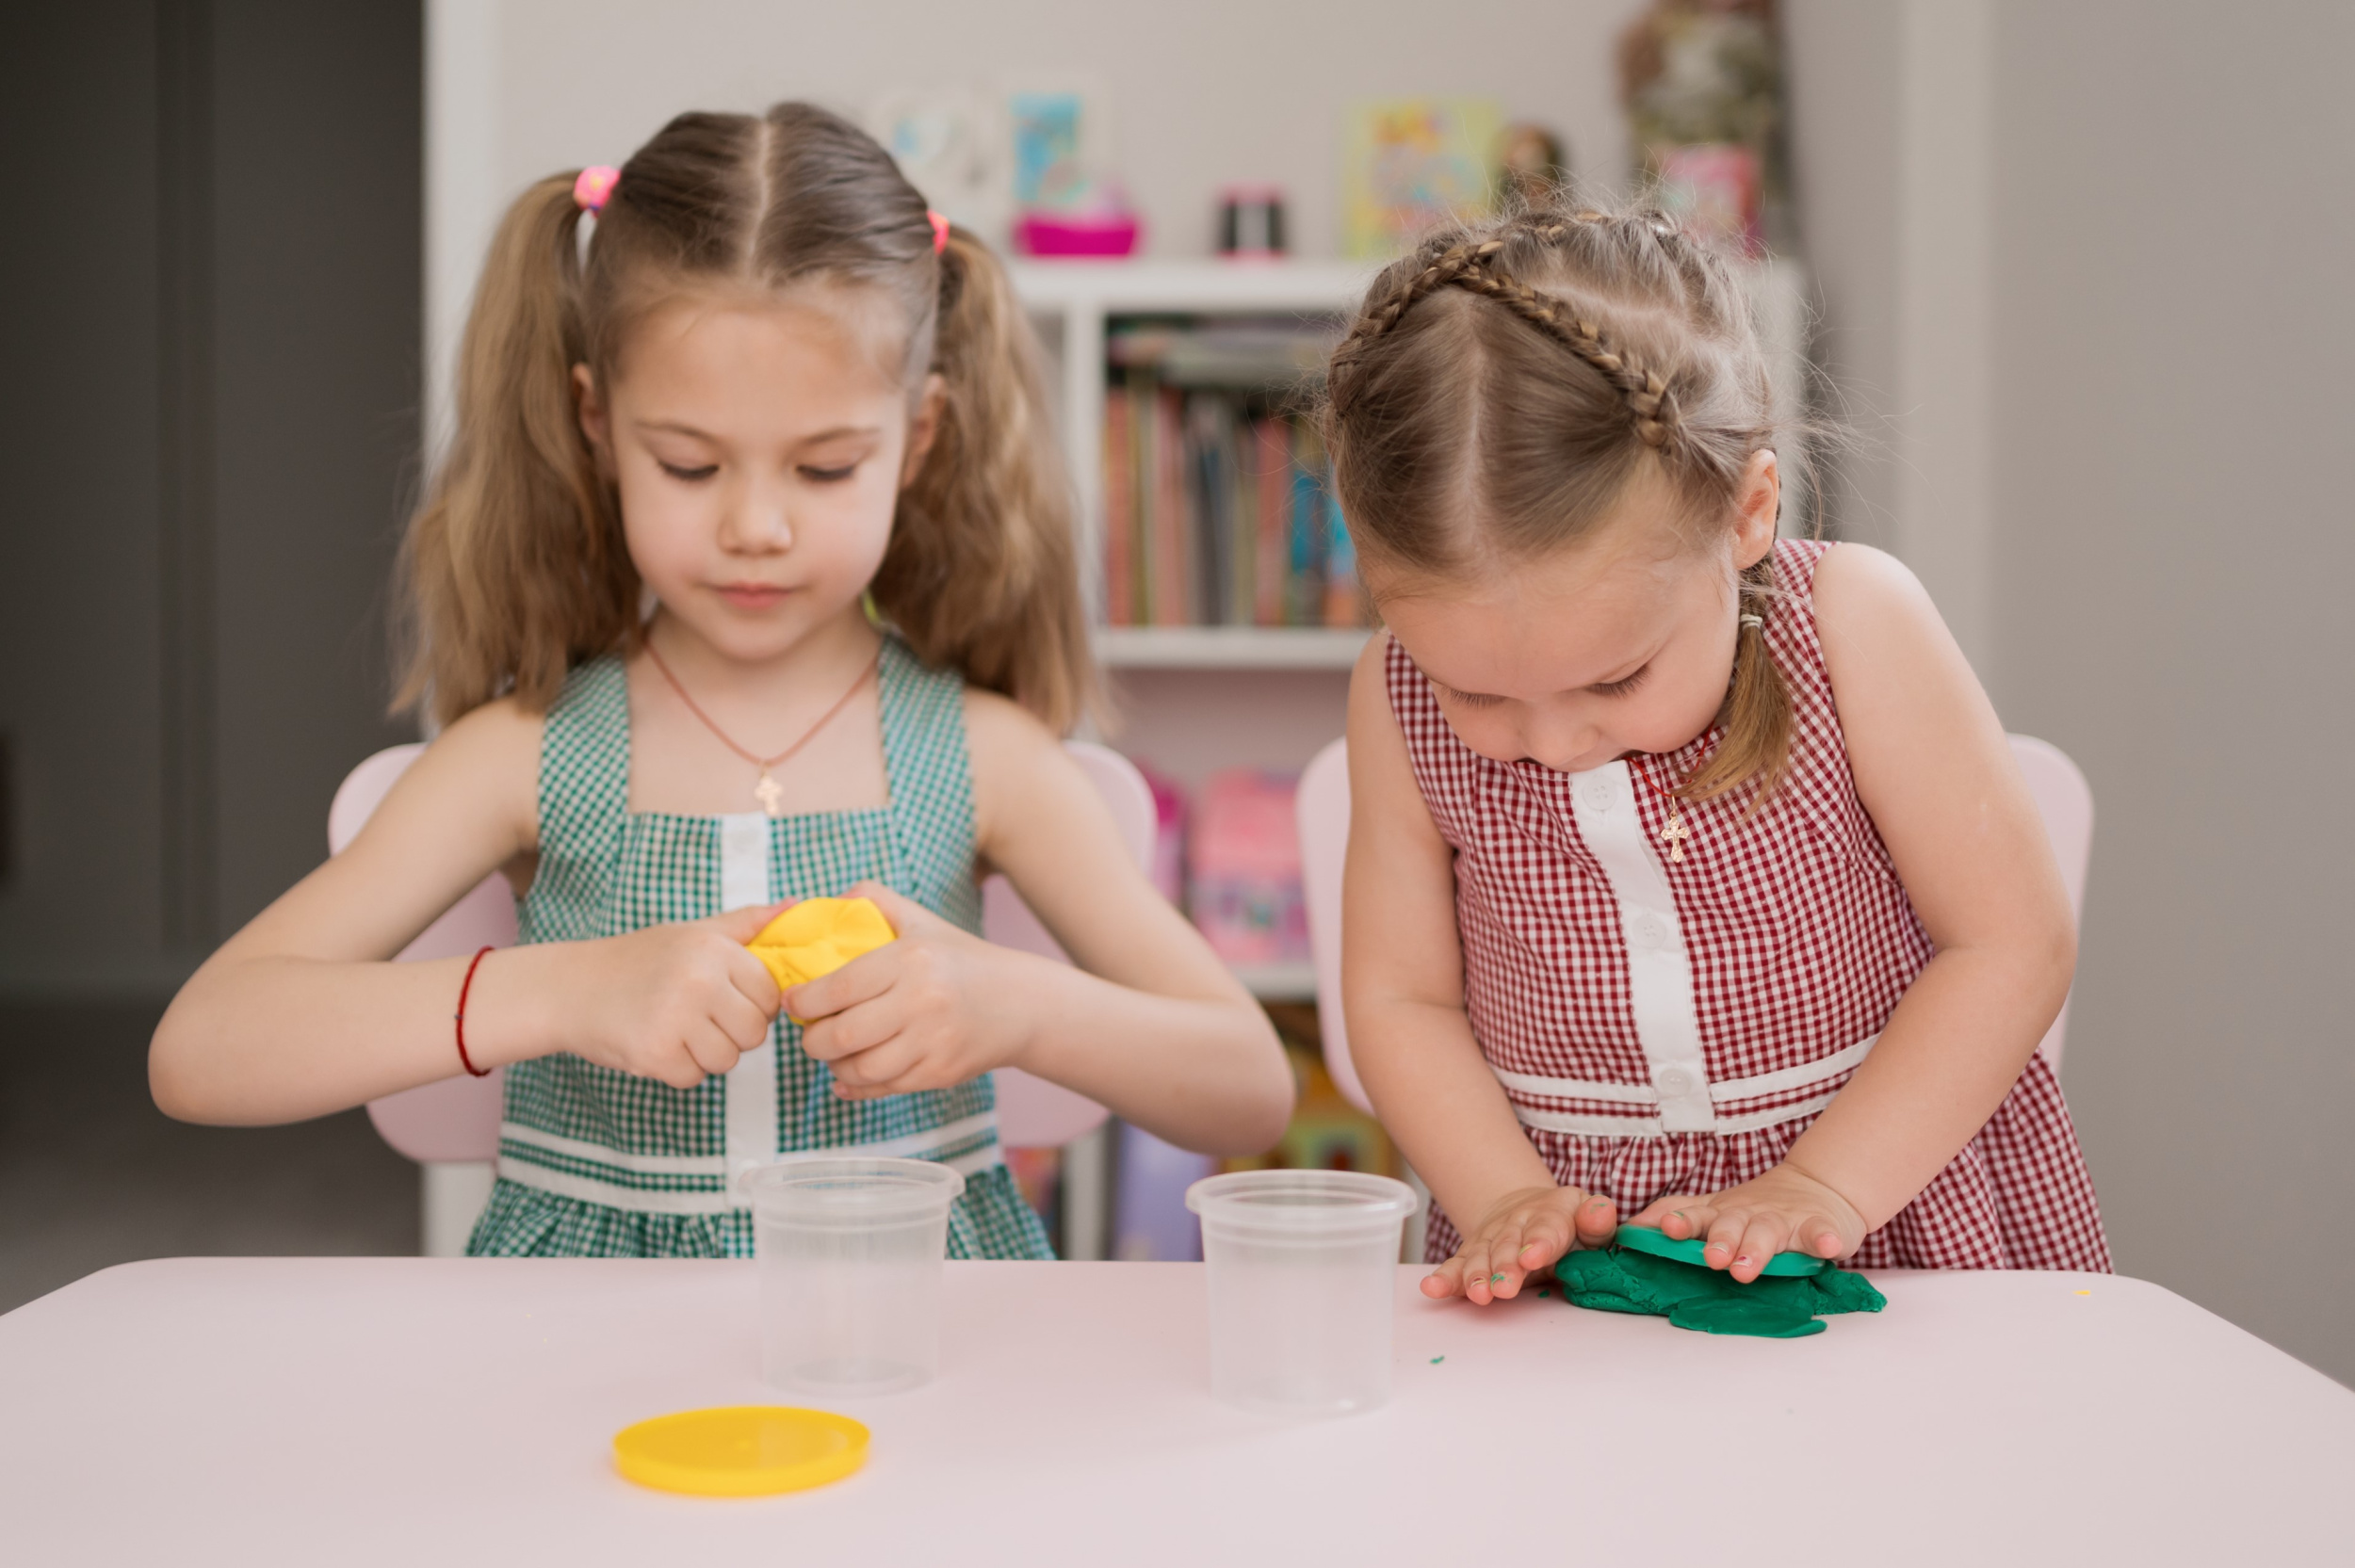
{"type": "Point", "coordinates": [596, 422]}
{"type": "Point", "coordinates": [924, 427]}
{"type": "Point", "coordinates": [1758, 506]}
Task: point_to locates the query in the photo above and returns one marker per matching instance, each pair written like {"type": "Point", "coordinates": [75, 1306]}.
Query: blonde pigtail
{"type": "Point", "coordinates": [981, 575]}
{"type": "Point", "coordinates": [515, 564]}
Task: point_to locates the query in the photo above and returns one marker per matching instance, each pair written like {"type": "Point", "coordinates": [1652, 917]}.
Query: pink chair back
{"type": "Point", "coordinates": [2062, 796]}
{"type": "Point", "coordinates": [1032, 1112]}
{"type": "Point", "coordinates": [2065, 800]}
{"type": "Point", "coordinates": [457, 1120]}
{"type": "Point", "coordinates": [1322, 807]}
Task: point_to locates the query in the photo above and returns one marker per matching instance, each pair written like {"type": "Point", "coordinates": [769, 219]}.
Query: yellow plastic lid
{"type": "Point", "coordinates": [741, 1450]}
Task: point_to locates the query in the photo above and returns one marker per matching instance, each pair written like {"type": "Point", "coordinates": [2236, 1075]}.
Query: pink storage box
{"type": "Point", "coordinates": [1245, 859]}
{"type": "Point", "coordinates": [1051, 234]}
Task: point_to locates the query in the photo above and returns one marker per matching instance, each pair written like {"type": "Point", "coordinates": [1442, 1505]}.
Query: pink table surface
{"type": "Point", "coordinates": [417, 1410]}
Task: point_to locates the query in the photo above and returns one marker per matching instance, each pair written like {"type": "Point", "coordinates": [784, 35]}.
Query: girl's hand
{"type": "Point", "coordinates": [674, 1002]}
{"type": "Point", "coordinates": [1784, 1210]}
{"type": "Point", "coordinates": [1525, 1232]}
{"type": "Point", "coordinates": [934, 1008]}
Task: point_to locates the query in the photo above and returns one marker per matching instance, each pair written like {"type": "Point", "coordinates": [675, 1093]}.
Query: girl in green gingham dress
{"type": "Point", "coordinates": [747, 577]}
{"type": "Point", "coordinates": [595, 1161]}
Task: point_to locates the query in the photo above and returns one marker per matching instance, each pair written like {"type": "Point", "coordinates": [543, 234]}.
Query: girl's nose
{"type": "Point", "coordinates": [1559, 741]}
{"type": "Point", "coordinates": [755, 523]}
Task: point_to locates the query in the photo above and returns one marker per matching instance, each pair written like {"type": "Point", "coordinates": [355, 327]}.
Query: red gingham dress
{"type": "Point", "coordinates": [1675, 1027]}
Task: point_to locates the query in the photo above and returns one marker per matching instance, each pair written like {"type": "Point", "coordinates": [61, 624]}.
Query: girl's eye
{"type": "Point", "coordinates": [1621, 687]}
{"type": "Point", "coordinates": [1466, 699]}
{"type": "Point", "coordinates": [829, 476]}
{"type": "Point", "coordinates": [692, 476]}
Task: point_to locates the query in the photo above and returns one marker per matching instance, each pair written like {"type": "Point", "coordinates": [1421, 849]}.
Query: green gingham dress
{"type": "Point", "coordinates": [594, 1162]}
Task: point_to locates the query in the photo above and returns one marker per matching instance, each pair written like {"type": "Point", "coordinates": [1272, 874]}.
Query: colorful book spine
{"type": "Point", "coordinates": [1216, 514]}
{"type": "Point", "coordinates": [1172, 604]}
{"type": "Point", "coordinates": [1273, 526]}
{"type": "Point", "coordinates": [1120, 513]}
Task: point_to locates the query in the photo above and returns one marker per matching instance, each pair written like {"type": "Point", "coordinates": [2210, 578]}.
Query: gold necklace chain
{"type": "Point", "coordinates": [770, 793]}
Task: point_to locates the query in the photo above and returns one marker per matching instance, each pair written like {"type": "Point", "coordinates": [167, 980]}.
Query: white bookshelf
{"type": "Point", "coordinates": [1173, 679]}
{"type": "Point", "coordinates": [1072, 300]}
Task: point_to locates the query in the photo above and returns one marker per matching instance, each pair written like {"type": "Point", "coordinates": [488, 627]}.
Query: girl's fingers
{"type": "Point", "coordinates": [1724, 1237]}
{"type": "Point", "coordinates": [1541, 1240]}
{"type": "Point", "coordinates": [710, 1048]}
{"type": "Point", "coordinates": [1597, 1221]}
{"type": "Point", "coordinates": [864, 978]}
{"type": "Point", "coordinates": [746, 1026]}
{"type": "Point", "coordinates": [1762, 1239]}
{"type": "Point", "coordinates": [1479, 1288]}
{"type": "Point", "coordinates": [739, 925]}
{"type": "Point", "coordinates": [1818, 1235]}
{"type": "Point", "coordinates": [678, 1069]}
{"type": "Point", "coordinates": [877, 1065]}
{"type": "Point", "coordinates": [905, 914]}
{"type": "Point", "coordinates": [858, 1029]}
{"type": "Point", "coordinates": [1444, 1281]}
{"type": "Point", "coordinates": [1680, 1219]}
{"type": "Point", "coordinates": [750, 978]}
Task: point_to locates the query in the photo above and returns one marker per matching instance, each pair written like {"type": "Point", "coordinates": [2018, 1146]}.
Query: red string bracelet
{"type": "Point", "coordinates": [463, 1059]}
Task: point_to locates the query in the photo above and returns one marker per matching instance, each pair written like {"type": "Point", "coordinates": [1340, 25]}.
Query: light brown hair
{"type": "Point", "coordinates": [1528, 366]}
{"type": "Point", "coordinates": [515, 564]}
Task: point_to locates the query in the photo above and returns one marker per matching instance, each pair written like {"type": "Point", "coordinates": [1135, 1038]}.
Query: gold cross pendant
{"type": "Point", "coordinates": [771, 795]}
{"type": "Point", "coordinates": [1675, 833]}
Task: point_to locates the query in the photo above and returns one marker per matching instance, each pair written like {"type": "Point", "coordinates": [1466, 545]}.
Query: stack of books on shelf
{"type": "Point", "coordinates": [1218, 499]}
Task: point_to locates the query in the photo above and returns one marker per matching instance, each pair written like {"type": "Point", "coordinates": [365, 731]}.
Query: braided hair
{"type": "Point", "coordinates": [1535, 362]}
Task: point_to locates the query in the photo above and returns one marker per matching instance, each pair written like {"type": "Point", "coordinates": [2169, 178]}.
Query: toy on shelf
{"type": "Point", "coordinates": [1408, 164]}
{"type": "Point", "coordinates": [1251, 222]}
{"type": "Point", "coordinates": [1646, 1272]}
{"type": "Point", "coordinates": [1070, 203]}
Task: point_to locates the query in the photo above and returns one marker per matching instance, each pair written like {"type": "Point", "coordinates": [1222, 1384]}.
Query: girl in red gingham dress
{"type": "Point", "coordinates": [1690, 881]}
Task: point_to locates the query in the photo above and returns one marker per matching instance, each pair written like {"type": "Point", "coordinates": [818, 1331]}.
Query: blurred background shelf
{"type": "Point", "coordinates": [1229, 647]}
{"type": "Point", "coordinates": [1279, 982]}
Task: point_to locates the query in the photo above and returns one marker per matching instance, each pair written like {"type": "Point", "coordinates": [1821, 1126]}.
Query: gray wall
{"type": "Point", "coordinates": [2170, 333]}
{"type": "Point", "coordinates": [2175, 293]}
{"type": "Point", "coordinates": [211, 291]}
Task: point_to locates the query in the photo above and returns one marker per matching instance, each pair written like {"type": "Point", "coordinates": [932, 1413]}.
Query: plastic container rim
{"type": "Point", "coordinates": [893, 1188]}
{"type": "Point", "coordinates": [1338, 1203]}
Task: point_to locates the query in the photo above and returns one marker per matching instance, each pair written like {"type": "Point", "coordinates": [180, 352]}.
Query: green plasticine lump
{"type": "Point", "coordinates": [1707, 1301]}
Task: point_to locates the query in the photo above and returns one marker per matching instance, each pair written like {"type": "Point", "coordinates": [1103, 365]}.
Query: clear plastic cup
{"type": "Point", "coordinates": [1303, 1266]}
{"type": "Point", "coordinates": [850, 1253]}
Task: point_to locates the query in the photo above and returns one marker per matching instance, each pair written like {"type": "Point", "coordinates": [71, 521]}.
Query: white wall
{"type": "Point", "coordinates": [1205, 92]}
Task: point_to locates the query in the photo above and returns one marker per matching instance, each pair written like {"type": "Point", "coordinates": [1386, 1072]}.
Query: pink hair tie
{"type": "Point", "coordinates": [593, 186]}
{"type": "Point", "coordinates": [940, 229]}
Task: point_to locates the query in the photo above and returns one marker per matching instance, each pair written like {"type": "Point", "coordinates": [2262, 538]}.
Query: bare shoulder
{"type": "Point", "coordinates": [488, 758]}
{"type": "Point", "coordinates": [1002, 735]}
{"type": "Point", "coordinates": [1369, 684]}
{"type": "Point", "coordinates": [1857, 582]}
{"type": "Point", "coordinates": [1874, 617]}
{"type": "Point", "coordinates": [498, 738]}
{"type": "Point", "coordinates": [1021, 773]}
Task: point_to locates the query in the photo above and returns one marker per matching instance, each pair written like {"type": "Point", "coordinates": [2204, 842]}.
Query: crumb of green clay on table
{"type": "Point", "coordinates": [1435, 1360]}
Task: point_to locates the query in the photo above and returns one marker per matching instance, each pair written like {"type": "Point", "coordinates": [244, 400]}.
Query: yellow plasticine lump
{"type": "Point", "coordinates": [819, 936]}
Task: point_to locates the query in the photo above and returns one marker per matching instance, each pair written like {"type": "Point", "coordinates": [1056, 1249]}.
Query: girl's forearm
{"type": "Point", "coordinates": [1950, 1054]}
{"type": "Point", "coordinates": [1442, 1106]}
{"type": "Point", "coordinates": [1205, 1074]}
{"type": "Point", "coordinates": [252, 1041]}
